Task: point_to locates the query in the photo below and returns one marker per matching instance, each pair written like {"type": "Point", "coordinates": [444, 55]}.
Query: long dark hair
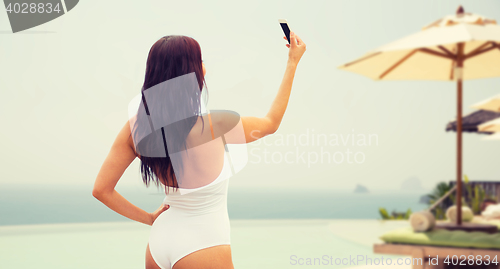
{"type": "Point", "coordinates": [169, 57]}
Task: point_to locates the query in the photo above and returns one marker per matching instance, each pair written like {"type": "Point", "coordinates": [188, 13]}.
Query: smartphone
{"type": "Point", "coordinates": [286, 30]}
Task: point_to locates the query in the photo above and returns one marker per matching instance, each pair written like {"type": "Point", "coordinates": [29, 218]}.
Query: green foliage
{"type": "Point", "coordinates": [394, 215]}
{"type": "Point", "coordinates": [475, 195]}
{"type": "Point", "coordinates": [441, 189]}
{"type": "Point", "coordinates": [408, 213]}
{"type": "Point", "coordinates": [383, 213]}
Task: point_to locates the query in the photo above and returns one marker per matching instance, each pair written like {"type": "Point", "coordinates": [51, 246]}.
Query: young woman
{"type": "Point", "coordinates": [189, 230]}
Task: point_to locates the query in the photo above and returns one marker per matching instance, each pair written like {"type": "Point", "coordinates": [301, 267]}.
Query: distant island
{"type": "Point", "coordinates": [361, 189]}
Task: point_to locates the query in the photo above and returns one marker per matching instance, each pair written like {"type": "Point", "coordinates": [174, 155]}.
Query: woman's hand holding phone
{"type": "Point", "coordinates": [255, 127]}
{"type": "Point", "coordinates": [297, 47]}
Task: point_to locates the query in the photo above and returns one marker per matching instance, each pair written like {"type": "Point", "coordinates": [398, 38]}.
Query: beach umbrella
{"type": "Point", "coordinates": [471, 121]}
{"type": "Point", "coordinates": [491, 104]}
{"type": "Point", "coordinates": [454, 48]}
{"type": "Point", "coordinates": [490, 126]}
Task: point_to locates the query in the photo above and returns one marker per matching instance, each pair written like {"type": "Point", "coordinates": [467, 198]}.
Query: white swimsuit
{"type": "Point", "coordinates": [197, 219]}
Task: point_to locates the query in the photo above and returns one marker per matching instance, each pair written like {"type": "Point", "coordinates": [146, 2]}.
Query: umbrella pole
{"type": "Point", "coordinates": [459, 75]}
{"type": "Point", "coordinates": [459, 152]}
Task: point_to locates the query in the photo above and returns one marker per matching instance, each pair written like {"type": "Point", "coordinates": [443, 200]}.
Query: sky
{"type": "Point", "coordinates": [66, 86]}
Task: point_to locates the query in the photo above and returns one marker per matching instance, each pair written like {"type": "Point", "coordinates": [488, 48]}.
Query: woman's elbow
{"type": "Point", "coordinates": [269, 130]}
{"type": "Point", "coordinates": [96, 193]}
{"type": "Point", "coordinates": [273, 129]}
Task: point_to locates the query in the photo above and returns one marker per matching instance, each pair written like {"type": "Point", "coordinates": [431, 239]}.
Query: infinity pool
{"type": "Point", "coordinates": [255, 243]}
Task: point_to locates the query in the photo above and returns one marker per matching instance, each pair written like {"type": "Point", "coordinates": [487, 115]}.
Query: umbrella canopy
{"type": "Point", "coordinates": [431, 53]}
{"type": "Point", "coordinates": [471, 121]}
{"type": "Point", "coordinates": [456, 47]}
{"type": "Point", "coordinates": [495, 136]}
{"type": "Point", "coordinates": [492, 104]}
{"type": "Point", "coordinates": [490, 126]}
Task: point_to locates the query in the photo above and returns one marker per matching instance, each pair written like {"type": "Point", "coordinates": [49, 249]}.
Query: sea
{"type": "Point", "coordinates": [38, 204]}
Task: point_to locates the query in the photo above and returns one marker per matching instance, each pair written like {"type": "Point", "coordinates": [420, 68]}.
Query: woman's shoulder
{"type": "Point", "coordinates": [214, 124]}
{"type": "Point", "coordinates": [228, 123]}
{"type": "Point", "coordinates": [224, 119]}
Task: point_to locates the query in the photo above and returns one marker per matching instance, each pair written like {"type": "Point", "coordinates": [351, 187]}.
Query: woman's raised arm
{"type": "Point", "coordinates": [240, 130]}
{"type": "Point", "coordinates": [255, 127]}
